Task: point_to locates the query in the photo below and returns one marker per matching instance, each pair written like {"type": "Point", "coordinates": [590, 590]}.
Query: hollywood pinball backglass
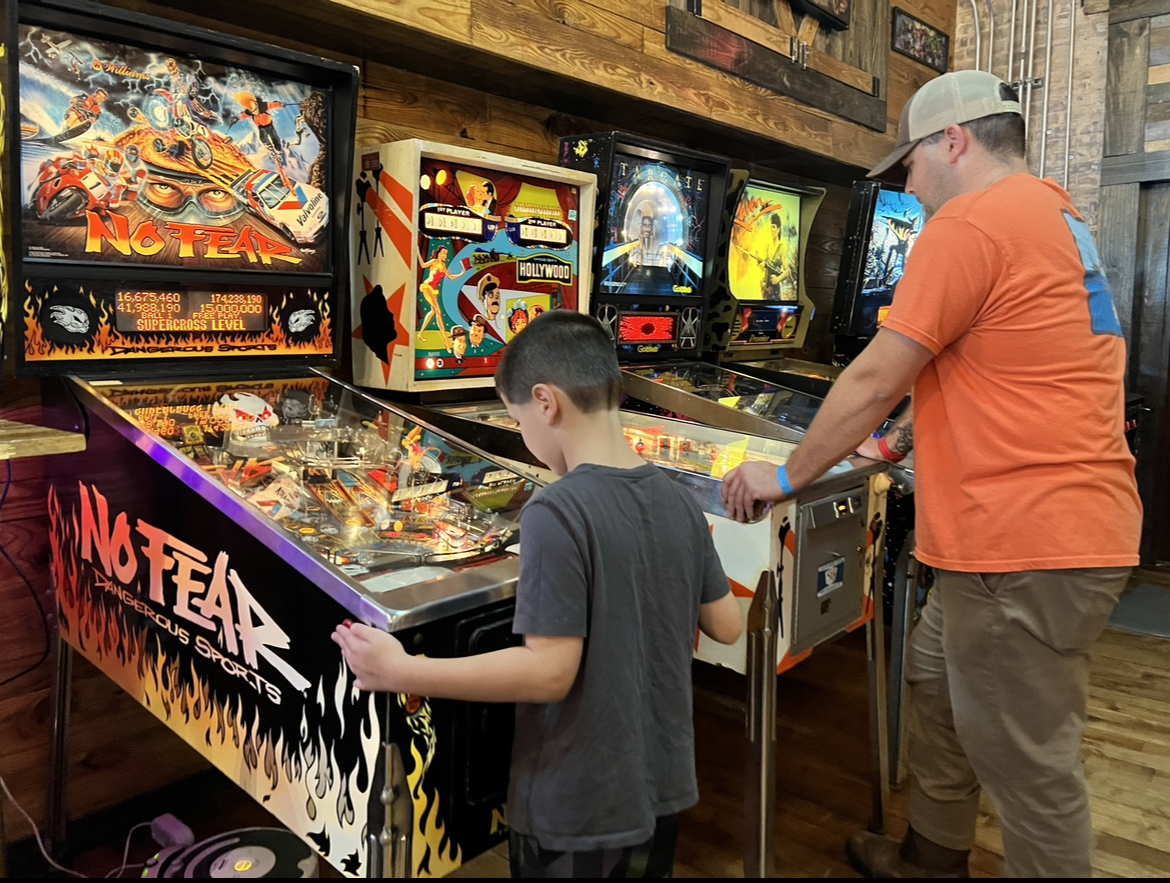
{"type": "Point", "coordinates": [495, 251]}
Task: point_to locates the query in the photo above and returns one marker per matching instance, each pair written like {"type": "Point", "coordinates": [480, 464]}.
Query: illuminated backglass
{"type": "Point", "coordinates": [195, 311]}
{"type": "Point", "coordinates": [495, 251]}
{"type": "Point", "coordinates": [70, 320]}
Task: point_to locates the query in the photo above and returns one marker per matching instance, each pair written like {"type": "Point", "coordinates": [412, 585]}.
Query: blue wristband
{"type": "Point", "coordinates": [782, 480]}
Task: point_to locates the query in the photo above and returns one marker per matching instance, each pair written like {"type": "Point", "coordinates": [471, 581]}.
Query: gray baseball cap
{"type": "Point", "coordinates": [950, 100]}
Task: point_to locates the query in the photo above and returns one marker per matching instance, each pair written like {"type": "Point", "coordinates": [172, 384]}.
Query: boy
{"type": "Point", "coordinates": [617, 568]}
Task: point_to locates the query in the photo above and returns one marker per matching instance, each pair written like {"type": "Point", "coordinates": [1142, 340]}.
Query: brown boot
{"type": "Point", "coordinates": [875, 856]}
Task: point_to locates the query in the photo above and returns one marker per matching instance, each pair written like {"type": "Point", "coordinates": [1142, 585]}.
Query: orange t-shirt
{"type": "Point", "coordinates": [1020, 454]}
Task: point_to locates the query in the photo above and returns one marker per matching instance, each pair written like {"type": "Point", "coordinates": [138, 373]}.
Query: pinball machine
{"type": "Point", "coordinates": [479, 245]}
{"type": "Point", "coordinates": [181, 258]}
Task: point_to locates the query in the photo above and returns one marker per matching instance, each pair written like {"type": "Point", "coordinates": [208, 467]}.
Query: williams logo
{"type": "Point", "coordinates": [544, 268]}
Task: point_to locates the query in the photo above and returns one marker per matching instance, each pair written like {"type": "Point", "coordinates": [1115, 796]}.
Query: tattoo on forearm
{"type": "Point", "coordinates": [902, 439]}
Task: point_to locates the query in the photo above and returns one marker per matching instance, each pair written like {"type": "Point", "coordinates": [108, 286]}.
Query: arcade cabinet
{"type": "Point", "coordinates": [455, 251]}
{"type": "Point", "coordinates": [181, 257]}
{"type": "Point", "coordinates": [657, 235]}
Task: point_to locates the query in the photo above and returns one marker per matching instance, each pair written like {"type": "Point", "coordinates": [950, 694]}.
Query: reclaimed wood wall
{"type": "Point", "coordinates": [1135, 198]}
{"type": "Point", "coordinates": [1051, 66]}
{"type": "Point", "coordinates": [440, 89]}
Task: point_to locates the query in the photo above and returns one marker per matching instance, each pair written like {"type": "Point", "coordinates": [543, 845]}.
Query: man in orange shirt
{"type": "Point", "coordinates": [1027, 506]}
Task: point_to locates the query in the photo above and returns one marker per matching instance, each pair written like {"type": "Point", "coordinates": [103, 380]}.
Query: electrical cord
{"type": "Point", "coordinates": [126, 853]}
{"type": "Point", "coordinates": [37, 833]}
{"type": "Point", "coordinates": [117, 872]}
{"type": "Point", "coordinates": [31, 590]}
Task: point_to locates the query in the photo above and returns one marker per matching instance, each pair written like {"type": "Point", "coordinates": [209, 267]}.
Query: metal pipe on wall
{"type": "Point", "coordinates": [1072, 42]}
{"type": "Point", "coordinates": [978, 36]}
{"type": "Point", "coordinates": [1011, 52]}
{"type": "Point", "coordinates": [990, 37]}
{"type": "Point", "coordinates": [1031, 75]}
{"type": "Point", "coordinates": [1047, 90]}
{"type": "Point", "coordinates": [1021, 49]}
{"type": "Point", "coordinates": [1019, 59]}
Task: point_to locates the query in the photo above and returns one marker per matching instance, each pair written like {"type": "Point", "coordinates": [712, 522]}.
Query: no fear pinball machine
{"type": "Point", "coordinates": [181, 259]}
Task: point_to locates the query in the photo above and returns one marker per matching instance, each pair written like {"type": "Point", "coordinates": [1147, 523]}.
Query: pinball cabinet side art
{"type": "Point", "coordinates": [184, 197]}
{"type": "Point", "coordinates": [214, 535]}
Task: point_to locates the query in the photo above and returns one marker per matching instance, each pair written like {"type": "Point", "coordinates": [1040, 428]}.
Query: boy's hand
{"type": "Point", "coordinates": [746, 488]}
{"type": "Point", "coordinates": [378, 660]}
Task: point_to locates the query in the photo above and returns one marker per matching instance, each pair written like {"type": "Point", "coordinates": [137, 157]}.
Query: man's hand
{"type": "Point", "coordinates": [869, 448]}
{"type": "Point", "coordinates": [378, 659]}
{"type": "Point", "coordinates": [747, 487]}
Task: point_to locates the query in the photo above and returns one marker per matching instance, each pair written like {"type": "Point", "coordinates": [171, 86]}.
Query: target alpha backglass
{"type": "Point", "coordinates": [658, 230]}
{"type": "Point", "coordinates": [152, 157]}
{"type": "Point", "coordinates": [655, 228]}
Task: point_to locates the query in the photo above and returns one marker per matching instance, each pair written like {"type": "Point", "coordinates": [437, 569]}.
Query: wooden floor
{"type": "Point", "coordinates": [824, 785]}
{"type": "Point", "coordinates": [824, 793]}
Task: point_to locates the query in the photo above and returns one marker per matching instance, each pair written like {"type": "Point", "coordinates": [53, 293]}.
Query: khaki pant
{"type": "Point", "coordinates": [998, 671]}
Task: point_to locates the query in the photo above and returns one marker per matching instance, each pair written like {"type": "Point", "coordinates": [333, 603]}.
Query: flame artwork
{"type": "Point", "coordinates": [213, 652]}
{"type": "Point", "coordinates": [84, 322]}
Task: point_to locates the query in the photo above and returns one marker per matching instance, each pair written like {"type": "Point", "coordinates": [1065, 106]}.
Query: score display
{"type": "Point", "coordinates": [647, 328]}
{"type": "Point", "coordinates": [190, 311]}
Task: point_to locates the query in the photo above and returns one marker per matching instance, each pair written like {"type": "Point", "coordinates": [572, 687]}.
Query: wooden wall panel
{"type": "Point", "coordinates": [866, 44]}
{"type": "Point", "coordinates": [1129, 10]}
{"type": "Point", "coordinates": [1116, 238]}
{"type": "Point", "coordinates": [1125, 99]}
{"type": "Point", "coordinates": [1150, 361]}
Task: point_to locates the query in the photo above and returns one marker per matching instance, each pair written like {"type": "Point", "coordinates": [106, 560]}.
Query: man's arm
{"type": "Point", "coordinates": [900, 438]}
{"type": "Point", "coordinates": [863, 395]}
{"type": "Point", "coordinates": [543, 670]}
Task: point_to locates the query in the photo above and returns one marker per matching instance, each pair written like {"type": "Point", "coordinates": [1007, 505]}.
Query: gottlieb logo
{"type": "Point", "coordinates": [200, 603]}
{"type": "Point", "coordinates": [649, 348]}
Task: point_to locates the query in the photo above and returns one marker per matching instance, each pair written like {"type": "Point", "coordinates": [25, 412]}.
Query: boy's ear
{"type": "Point", "coordinates": [546, 402]}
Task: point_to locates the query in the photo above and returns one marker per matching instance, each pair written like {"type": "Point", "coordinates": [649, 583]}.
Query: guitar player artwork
{"type": "Point", "coordinates": [765, 247]}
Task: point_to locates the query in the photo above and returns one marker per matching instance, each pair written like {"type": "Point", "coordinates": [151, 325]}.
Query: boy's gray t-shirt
{"type": "Point", "coordinates": [622, 558]}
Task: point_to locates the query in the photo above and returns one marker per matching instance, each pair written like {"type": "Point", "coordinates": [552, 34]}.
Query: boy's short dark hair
{"type": "Point", "coordinates": [566, 350]}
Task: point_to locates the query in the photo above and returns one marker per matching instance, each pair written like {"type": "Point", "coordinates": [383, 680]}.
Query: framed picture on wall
{"type": "Point", "coordinates": [831, 13]}
{"type": "Point", "coordinates": [916, 39]}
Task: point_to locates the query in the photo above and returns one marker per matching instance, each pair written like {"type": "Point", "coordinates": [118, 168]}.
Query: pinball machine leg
{"type": "Point", "coordinates": [905, 594]}
{"type": "Point", "coordinates": [61, 689]}
{"type": "Point", "coordinates": [396, 839]}
{"type": "Point", "coordinates": [875, 644]}
{"type": "Point", "coordinates": [760, 781]}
